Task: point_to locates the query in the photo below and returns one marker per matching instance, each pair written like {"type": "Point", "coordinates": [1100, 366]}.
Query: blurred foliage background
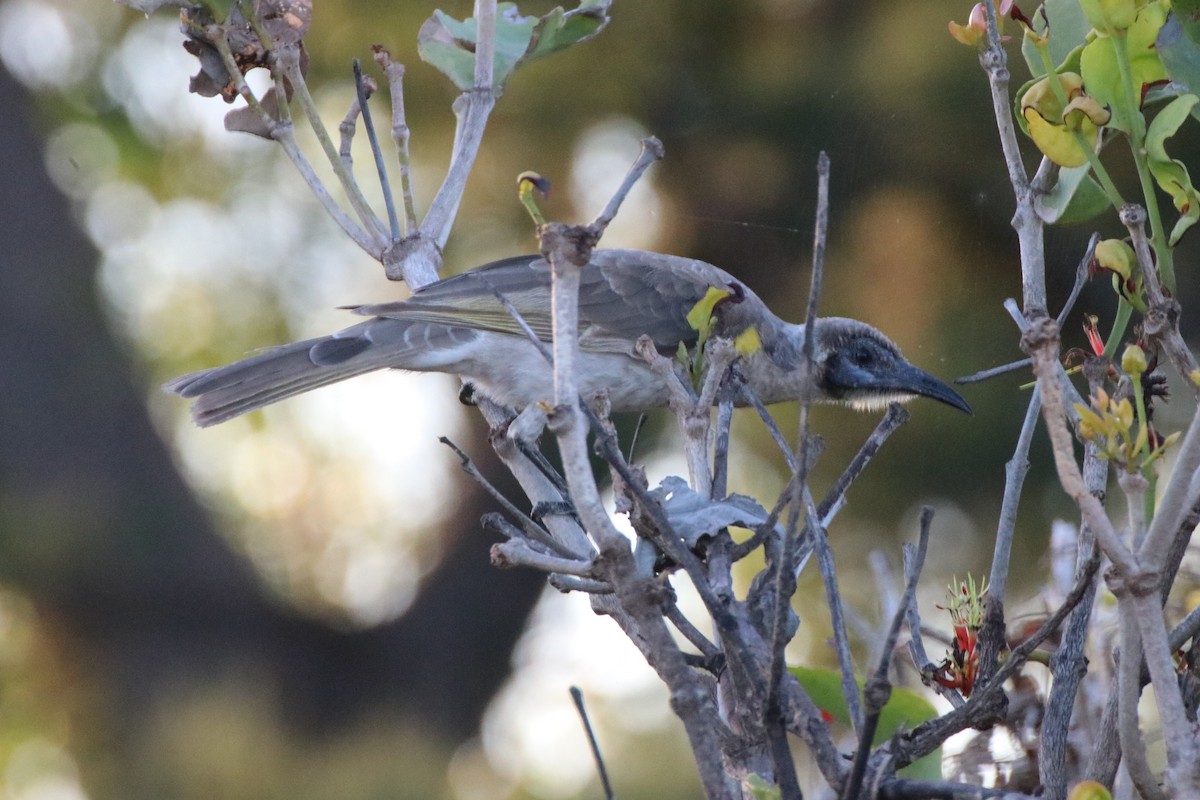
{"type": "Point", "coordinates": [299, 604]}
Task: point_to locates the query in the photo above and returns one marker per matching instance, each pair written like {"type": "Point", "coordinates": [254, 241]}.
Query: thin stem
{"type": "Point", "coordinates": [284, 133]}
{"type": "Point", "coordinates": [577, 697]}
{"type": "Point", "coordinates": [369, 124]}
{"type": "Point", "coordinates": [289, 58]}
{"type": "Point", "coordinates": [1117, 333]}
{"type": "Point", "coordinates": [837, 619]}
{"type": "Point", "coordinates": [472, 109]}
{"type": "Point", "coordinates": [1137, 143]}
{"type": "Point", "coordinates": [878, 689]}
{"type": "Point", "coordinates": [400, 134]}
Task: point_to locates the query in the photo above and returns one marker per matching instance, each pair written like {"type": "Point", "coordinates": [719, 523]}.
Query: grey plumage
{"type": "Point", "coordinates": [458, 326]}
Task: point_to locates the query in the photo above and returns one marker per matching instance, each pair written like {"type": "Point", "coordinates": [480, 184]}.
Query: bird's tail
{"type": "Point", "coordinates": [225, 392]}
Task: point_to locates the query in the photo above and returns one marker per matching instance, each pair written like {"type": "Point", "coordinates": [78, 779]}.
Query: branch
{"type": "Point", "coordinates": [568, 249]}
{"type": "Point", "coordinates": [1026, 221]}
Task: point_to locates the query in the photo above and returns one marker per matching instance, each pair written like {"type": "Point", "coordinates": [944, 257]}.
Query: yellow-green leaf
{"type": "Point", "coordinates": [1171, 174]}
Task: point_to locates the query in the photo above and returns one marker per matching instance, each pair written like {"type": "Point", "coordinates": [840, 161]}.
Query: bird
{"type": "Point", "coordinates": [459, 325]}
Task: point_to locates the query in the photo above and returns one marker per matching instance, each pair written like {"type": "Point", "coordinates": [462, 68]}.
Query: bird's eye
{"type": "Point", "coordinates": [861, 355]}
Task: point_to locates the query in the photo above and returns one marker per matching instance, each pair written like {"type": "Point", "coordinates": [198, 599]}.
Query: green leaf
{"type": "Point", "coordinates": [1102, 77]}
{"type": "Point", "coordinates": [904, 711]}
{"type": "Point", "coordinates": [559, 30]}
{"type": "Point", "coordinates": [1171, 174]}
{"type": "Point", "coordinates": [1179, 54]}
{"type": "Point", "coordinates": [1076, 197]}
{"type": "Point", "coordinates": [1068, 30]}
{"type": "Point", "coordinates": [449, 44]}
{"type": "Point", "coordinates": [761, 790]}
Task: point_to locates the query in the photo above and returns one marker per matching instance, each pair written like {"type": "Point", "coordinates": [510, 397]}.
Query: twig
{"type": "Point", "coordinates": [1133, 748]}
{"type": "Point", "coordinates": [394, 71]}
{"type": "Point", "coordinates": [992, 372]}
{"type": "Point", "coordinates": [577, 696]}
{"type": "Point", "coordinates": [472, 109]}
{"type": "Point", "coordinates": [284, 132]}
{"type": "Point", "coordinates": [1081, 278]}
{"type": "Point", "coordinates": [531, 528]}
{"type": "Point", "coordinates": [1161, 323]}
{"type": "Point", "coordinates": [692, 633]}
{"type": "Point", "coordinates": [837, 621]}
{"type": "Point", "coordinates": [993, 633]}
{"type": "Point", "coordinates": [895, 416]}
{"type": "Point", "coordinates": [346, 131]}
{"type": "Point", "coordinates": [570, 583]}
{"type": "Point", "coordinates": [908, 789]}
{"type": "Point", "coordinates": [720, 480]}
{"type": "Point", "coordinates": [289, 60]}
{"type": "Point", "coordinates": [518, 553]}
{"type": "Point", "coordinates": [783, 579]}
{"type": "Point", "coordinates": [916, 642]}
{"type": "Point", "coordinates": [535, 531]}
{"type": "Point", "coordinates": [373, 138]}
{"type": "Point", "coordinates": [878, 688]}
{"type": "Point", "coordinates": [777, 436]}
{"type": "Point", "coordinates": [652, 151]}
{"type": "Point", "coordinates": [1026, 221]}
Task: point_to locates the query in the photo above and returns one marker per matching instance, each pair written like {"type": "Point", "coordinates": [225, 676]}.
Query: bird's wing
{"type": "Point", "coordinates": [623, 294]}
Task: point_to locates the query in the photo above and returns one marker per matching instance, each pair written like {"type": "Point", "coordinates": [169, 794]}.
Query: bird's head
{"type": "Point", "coordinates": [859, 366]}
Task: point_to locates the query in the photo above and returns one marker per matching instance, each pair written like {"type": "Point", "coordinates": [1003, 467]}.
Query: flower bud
{"type": "Point", "coordinates": [1115, 255]}
{"type": "Point", "coordinates": [1133, 361]}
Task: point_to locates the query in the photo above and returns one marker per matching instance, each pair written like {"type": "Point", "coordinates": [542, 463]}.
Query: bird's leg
{"type": "Point", "coordinates": [523, 432]}
{"type": "Point", "coordinates": [526, 428]}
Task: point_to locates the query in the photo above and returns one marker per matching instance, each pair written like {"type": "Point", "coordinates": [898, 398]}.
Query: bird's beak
{"type": "Point", "coordinates": [910, 379]}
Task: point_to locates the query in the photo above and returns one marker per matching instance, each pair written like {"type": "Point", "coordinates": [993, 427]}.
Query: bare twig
{"type": "Point", "coordinates": [837, 621]}
{"type": "Point", "coordinates": [783, 579]}
{"type": "Point", "coordinates": [577, 697]}
{"type": "Point", "coordinates": [916, 642]}
{"type": "Point", "coordinates": [895, 416]}
{"type": "Point", "coordinates": [519, 553]}
{"type": "Point", "coordinates": [907, 789]}
{"type": "Point", "coordinates": [652, 150]}
{"type": "Point", "coordinates": [531, 528]}
{"type": "Point", "coordinates": [289, 61]}
{"type": "Point", "coordinates": [394, 71]}
{"type": "Point", "coordinates": [992, 372]}
{"type": "Point", "coordinates": [1026, 221]}
{"type": "Point", "coordinates": [725, 398]}
{"type": "Point", "coordinates": [692, 633]}
{"type": "Point", "coordinates": [283, 132]}
{"type": "Point", "coordinates": [878, 688]}
{"type": "Point", "coordinates": [385, 185]}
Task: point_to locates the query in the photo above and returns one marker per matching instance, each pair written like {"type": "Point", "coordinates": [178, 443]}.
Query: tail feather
{"type": "Point", "coordinates": [225, 392]}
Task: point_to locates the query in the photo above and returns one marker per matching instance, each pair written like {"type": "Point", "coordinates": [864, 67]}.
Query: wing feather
{"type": "Point", "coordinates": [623, 294]}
